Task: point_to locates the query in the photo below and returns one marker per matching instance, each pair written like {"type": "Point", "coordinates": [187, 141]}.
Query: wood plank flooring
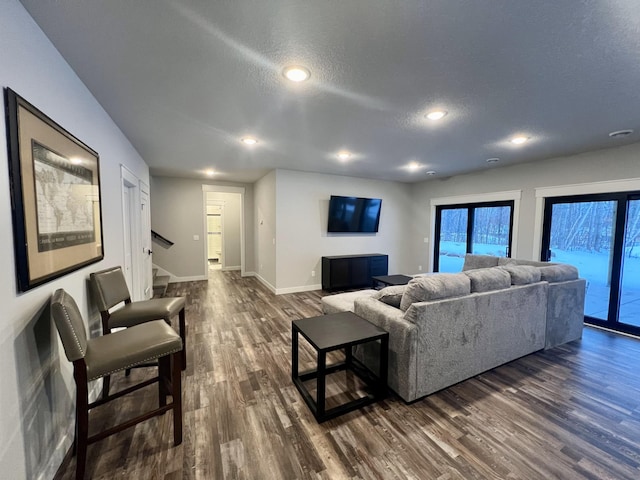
{"type": "Point", "coordinates": [572, 412]}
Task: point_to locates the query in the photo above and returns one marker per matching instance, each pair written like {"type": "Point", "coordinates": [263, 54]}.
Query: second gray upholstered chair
{"type": "Point", "coordinates": [99, 357]}
{"type": "Point", "coordinates": [110, 288]}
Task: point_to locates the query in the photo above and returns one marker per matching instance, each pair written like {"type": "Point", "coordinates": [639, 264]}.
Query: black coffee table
{"type": "Point", "coordinates": [387, 280]}
{"type": "Point", "coordinates": [327, 333]}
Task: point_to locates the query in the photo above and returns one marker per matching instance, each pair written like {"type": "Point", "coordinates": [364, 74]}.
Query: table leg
{"type": "Point", "coordinates": [294, 353]}
{"type": "Point", "coordinates": [321, 384]}
{"type": "Point", "coordinates": [384, 365]}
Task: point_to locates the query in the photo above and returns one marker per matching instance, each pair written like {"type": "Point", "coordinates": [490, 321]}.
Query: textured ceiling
{"type": "Point", "coordinates": [185, 80]}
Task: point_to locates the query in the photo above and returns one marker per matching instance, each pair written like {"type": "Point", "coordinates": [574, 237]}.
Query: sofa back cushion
{"type": "Point", "coordinates": [488, 279]}
{"type": "Point", "coordinates": [390, 295]}
{"type": "Point", "coordinates": [434, 287]}
{"type": "Point", "coordinates": [558, 273]}
{"type": "Point", "coordinates": [472, 261]}
{"type": "Point", "coordinates": [522, 274]}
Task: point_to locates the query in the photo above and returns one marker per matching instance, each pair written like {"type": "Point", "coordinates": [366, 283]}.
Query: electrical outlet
{"type": "Point", "coordinates": [419, 268]}
{"type": "Point", "coordinates": [313, 273]}
{"type": "Point", "coordinates": [425, 239]}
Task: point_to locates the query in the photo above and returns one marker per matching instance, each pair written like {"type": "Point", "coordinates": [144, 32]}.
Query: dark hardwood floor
{"type": "Point", "coordinates": [570, 412]}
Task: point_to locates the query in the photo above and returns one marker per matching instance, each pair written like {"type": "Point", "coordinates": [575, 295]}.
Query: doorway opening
{"type": "Point", "coordinates": [223, 228]}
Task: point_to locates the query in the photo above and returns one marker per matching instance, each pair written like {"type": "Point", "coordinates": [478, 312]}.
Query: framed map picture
{"type": "Point", "coordinates": [55, 196]}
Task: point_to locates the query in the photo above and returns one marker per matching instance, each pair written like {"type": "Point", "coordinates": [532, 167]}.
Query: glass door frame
{"type": "Point", "coordinates": [621, 199]}
{"type": "Point", "coordinates": [470, 207]}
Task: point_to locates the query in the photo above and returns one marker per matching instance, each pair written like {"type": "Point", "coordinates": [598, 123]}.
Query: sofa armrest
{"type": "Point", "coordinates": [403, 343]}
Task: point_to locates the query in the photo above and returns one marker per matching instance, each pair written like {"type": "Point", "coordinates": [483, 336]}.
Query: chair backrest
{"type": "Point", "coordinates": [70, 325]}
{"type": "Point", "coordinates": [110, 287]}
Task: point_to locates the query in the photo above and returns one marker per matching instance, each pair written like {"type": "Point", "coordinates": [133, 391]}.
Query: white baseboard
{"type": "Point", "coordinates": [304, 288]}
{"type": "Point", "coordinates": [264, 282]}
{"type": "Point", "coordinates": [229, 269]}
{"type": "Point", "coordinates": [194, 278]}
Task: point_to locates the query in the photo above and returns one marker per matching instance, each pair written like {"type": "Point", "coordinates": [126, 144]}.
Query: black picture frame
{"type": "Point", "coordinates": [55, 196]}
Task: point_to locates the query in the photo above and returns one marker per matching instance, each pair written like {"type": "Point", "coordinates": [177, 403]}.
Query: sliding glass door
{"type": "Point", "coordinates": [484, 228]}
{"type": "Point", "coordinates": [600, 235]}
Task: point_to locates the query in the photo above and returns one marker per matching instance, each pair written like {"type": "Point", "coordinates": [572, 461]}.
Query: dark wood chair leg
{"type": "Point", "coordinates": [82, 419]}
{"type": "Point", "coordinates": [127, 372]}
{"type": "Point", "coordinates": [106, 382]}
{"type": "Point", "coordinates": [183, 335]}
{"type": "Point", "coordinates": [164, 369]}
{"type": "Point", "coordinates": [176, 385]}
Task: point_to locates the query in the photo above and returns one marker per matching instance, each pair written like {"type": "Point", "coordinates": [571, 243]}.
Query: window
{"type": "Point", "coordinates": [483, 228]}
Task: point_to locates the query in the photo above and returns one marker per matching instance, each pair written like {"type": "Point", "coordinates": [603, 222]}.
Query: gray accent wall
{"type": "Point", "coordinates": [265, 229]}
{"type": "Point", "coordinates": [302, 206]}
{"type": "Point", "coordinates": [38, 392]}
{"type": "Point", "coordinates": [177, 213]}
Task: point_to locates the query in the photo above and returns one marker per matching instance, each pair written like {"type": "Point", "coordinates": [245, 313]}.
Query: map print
{"type": "Point", "coordinates": [64, 200]}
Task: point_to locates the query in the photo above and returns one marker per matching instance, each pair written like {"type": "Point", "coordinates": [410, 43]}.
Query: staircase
{"type": "Point", "coordinates": [160, 284]}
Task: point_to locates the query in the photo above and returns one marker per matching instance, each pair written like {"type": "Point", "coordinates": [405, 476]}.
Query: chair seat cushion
{"type": "Point", "coordinates": [127, 348]}
{"type": "Point", "coordinates": [135, 313]}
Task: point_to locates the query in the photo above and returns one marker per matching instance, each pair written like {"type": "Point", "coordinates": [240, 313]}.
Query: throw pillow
{"type": "Point", "coordinates": [522, 274]}
{"type": "Point", "coordinates": [390, 295]}
{"type": "Point", "coordinates": [472, 261]}
{"type": "Point", "coordinates": [434, 287]}
{"type": "Point", "coordinates": [488, 279]}
{"type": "Point", "coordinates": [558, 273]}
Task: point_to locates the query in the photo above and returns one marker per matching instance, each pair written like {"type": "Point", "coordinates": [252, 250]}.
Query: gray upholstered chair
{"type": "Point", "coordinates": [94, 358]}
{"type": "Point", "coordinates": [111, 289]}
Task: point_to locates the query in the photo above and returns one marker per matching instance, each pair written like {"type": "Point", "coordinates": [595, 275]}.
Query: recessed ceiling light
{"type": "Point", "coordinates": [493, 160]}
{"type": "Point", "coordinates": [209, 172]}
{"type": "Point", "coordinates": [413, 166]}
{"type": "Point", "coordinates": [344, 155]}
{"type": "Point", "coordinates": [296, 73]}
{"type": "Point", "coordinates": [519, 140]}
{"type": "Point", "coordinates": [430, 172]}
{"type": "Point", "coordinates": [248, 140]}
{"type": "Point", "coordinates": [621, 133]}
{"type": "Point", "coordinates": [436, 114]}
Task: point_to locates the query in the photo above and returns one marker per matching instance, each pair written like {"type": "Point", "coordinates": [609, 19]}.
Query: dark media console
{"type": "Point", "coordinates": [352, 271]}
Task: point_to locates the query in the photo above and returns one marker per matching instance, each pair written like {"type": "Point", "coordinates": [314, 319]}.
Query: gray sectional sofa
{"type": "Point", "coordinates": [447, 327]}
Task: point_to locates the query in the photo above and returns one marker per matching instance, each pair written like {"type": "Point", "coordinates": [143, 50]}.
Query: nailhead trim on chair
{"type": "Point", "coordinates": [66, 315]}
{"type": "Point", "coordinates": [135, 363]}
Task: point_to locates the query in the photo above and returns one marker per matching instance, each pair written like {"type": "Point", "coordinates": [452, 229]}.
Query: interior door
{"type": "Point", "coordinates": [146, 280]}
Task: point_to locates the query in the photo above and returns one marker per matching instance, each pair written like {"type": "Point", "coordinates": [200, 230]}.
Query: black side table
{"type": "Point", "coordinates": [327, 333]}
{"type": "Point", "coordinates": [391, 280]}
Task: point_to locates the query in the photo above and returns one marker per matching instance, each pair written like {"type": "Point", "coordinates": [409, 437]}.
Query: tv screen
{"type": "Point", "coordinates": [352, 214]}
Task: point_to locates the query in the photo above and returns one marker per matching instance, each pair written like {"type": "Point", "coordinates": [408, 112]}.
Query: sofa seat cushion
{"type": "Point", "coordinates": [473, 261]}
{"type": "Point", "coordinates": [343, 302]}
{"type": "Point", "coordinates": [434, 287]}
{"type": "Point", "coordinates": [522, 274]}
{"type": "Point", "coordinates": [391, 295]}
{"type": "Point", "coordinates": [558, 273]}
{"type": "Point", "coordinates": [488, 279]}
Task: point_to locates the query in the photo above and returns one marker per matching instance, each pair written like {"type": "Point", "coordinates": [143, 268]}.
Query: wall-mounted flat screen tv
{"type": "Point", "coordinates": [354, 215]}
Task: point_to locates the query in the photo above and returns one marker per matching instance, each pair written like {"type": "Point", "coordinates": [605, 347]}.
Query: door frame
{"type": "Point", "coordinates": [129, 181]}
{"type": "Point", "coordinates": [223, 189]}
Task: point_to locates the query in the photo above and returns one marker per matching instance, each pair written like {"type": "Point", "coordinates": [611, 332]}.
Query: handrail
{"type": "Point", "coordinates": [165, 242]}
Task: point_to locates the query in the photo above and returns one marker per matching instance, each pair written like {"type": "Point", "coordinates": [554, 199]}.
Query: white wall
{"type": "Point", "coordinates": [36, 398]}
{"type": "Point", "coordinates": [177, 213]}
{"type": "Point", "coordinates": [265, 229]}
{"type": "Point", "coordinates": [302, 205]}
{"type": "Point", "coordinates": [609, 164]}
